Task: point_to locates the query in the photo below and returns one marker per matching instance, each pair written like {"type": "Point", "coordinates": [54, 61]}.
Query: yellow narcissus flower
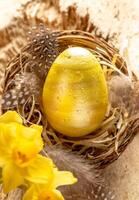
{"type": "Point", "coordinates": [37, 193]}
{"type": "Point", "coordinates": [19, 158]}
{"type": "Point", "coordinates": [49, 191]}
{"type": "Point", "coordinates": [10, 116]}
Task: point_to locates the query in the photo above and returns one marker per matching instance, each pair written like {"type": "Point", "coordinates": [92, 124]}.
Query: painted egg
{"type": "Point", "coordinates": [75, 95]}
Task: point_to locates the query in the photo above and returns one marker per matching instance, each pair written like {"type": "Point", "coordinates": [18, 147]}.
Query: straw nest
{"type": "Point", "coordinates": [104, 145]}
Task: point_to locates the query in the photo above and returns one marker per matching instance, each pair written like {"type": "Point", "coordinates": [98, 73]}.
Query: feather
{"type": "Point", "coordinates": [43, 48]}
{"type": "Point", "coordinates": [25, 85]}
{"type": "Point", "coordinates": [119, 87]}
{"type": "Point", "coordinates": [36, 59]}
{"type": "Point", "coordinates": [134, 99]}
{"type": "Point", "coordinates": [90, 185]}
{"type": "Point", "coordinates": [124, 93]}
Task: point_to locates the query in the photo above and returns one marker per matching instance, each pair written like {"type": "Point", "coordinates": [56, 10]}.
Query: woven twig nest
{"type": "Point", "coordinates": [104, 145]}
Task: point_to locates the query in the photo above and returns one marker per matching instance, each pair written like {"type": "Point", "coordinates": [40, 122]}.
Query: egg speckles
{"type": "Point", "coordinates": [75, 95]}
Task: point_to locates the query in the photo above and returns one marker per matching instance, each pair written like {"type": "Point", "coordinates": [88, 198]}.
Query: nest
{"type": "Point", "coordinates": [120, 125]}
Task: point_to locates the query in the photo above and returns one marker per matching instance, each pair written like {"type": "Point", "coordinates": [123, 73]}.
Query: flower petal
{"type": "Point", "coordinates": [2, 160]}
{"type": "Point", "coordinates": [24, 152]}
{"type": "Point", "coordinates": [56, 195]}
{"type": "Point", "coordinates": [30, 194]}
{"type": "Point", "coordinates": [11, 177]}
{"type": "Point", "coordinates": [36, 193]}
{"type": "Point", "coordinates": [63, 178]}
{"type": "Point", "coordinates": [7, 135]}
{"type": "Point", "coordinates": [32, 133]}
{"type": "Point", "coordinates": [11, 116]}
{"type": "Point", "coordinates": [40, 170]}
{"type": "Point", "coordinates": [37, 127]}
{"type": "Point", "coordinates": [50, 194]}
{"type": "Point", "coordinates": [0, 175]}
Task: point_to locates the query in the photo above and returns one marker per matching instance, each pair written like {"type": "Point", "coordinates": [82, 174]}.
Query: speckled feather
{"type": "Point", "coordinates": [41, 51]}
{"type": "Point", "coordinates": [89, 186]}
{"type": "Point", "coordinates": [43, 47]}
{"type": "Point", "coordinates": [25, 85]}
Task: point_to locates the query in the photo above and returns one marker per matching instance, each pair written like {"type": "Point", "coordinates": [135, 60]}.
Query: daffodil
{"type": "Point", "coordinates": [22, 165]}
{"type": "Point", "coordinates": [49, 191]}
{"type": "Point", "coordinates": [20, 160]}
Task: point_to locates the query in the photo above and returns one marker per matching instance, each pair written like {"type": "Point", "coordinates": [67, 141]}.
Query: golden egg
{"type": "Point", "coordinates": [75, 95]}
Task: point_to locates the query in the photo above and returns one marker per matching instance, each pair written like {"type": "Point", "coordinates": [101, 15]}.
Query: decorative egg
{"type": "Point", "coordinates": [75, 95]}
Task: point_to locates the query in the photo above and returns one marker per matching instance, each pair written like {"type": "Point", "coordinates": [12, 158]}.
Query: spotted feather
{"type": "Point", "coordinates": [43, 47]}
{"type": "Point", "coordinates": [35, 60]}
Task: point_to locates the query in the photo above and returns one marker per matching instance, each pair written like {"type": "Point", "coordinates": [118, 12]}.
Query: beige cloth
{"type": "Point", "coordinates": [123, 175]}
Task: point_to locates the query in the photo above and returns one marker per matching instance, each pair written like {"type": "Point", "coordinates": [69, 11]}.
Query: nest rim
{"type": "Point", "coordinates": [102, 147]}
